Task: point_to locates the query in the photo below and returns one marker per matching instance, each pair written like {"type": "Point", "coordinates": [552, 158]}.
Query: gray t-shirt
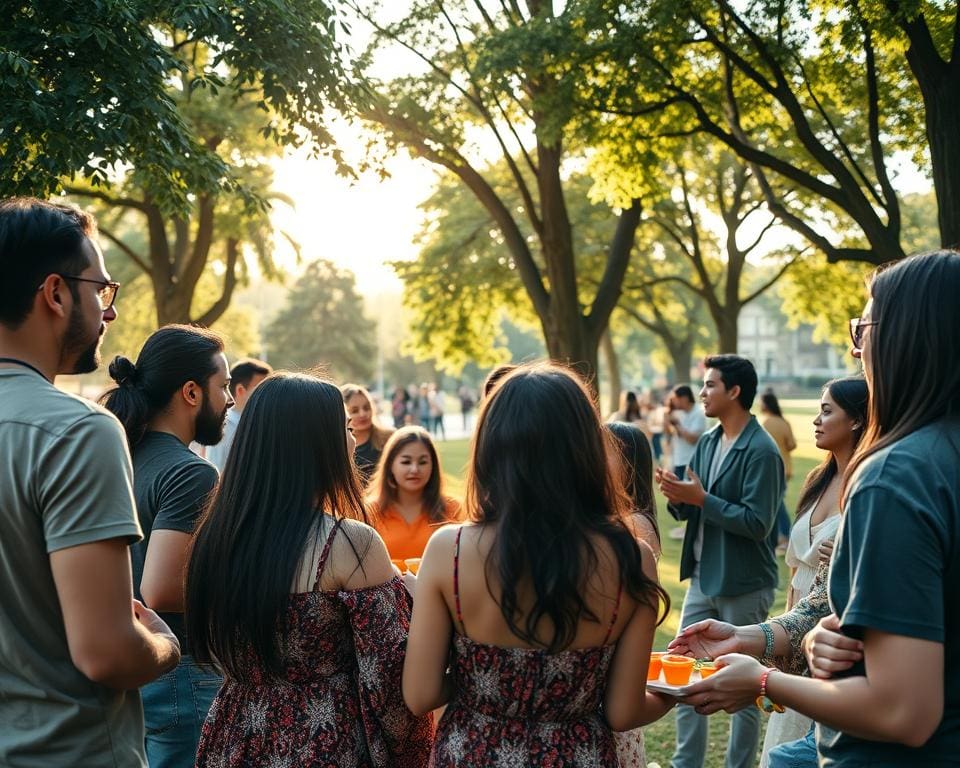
{"type": "Point", "coordinates": [65, 480]}
{"type": "Point", "coordinates": [171, 484]}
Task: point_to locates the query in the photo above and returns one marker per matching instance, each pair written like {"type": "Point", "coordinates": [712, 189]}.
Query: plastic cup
{"type": "Point", "coordinates": [706, 669]}
{"type": "Point", "coordinates": [653, 671]}
{"type": "Point", "coordinates": [677, 669]}
{"type": "Point", "coordinates": [412, 564]}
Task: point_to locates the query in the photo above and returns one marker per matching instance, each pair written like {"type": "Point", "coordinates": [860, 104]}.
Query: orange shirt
{"type": "Point", "coordinates": [405, 540]}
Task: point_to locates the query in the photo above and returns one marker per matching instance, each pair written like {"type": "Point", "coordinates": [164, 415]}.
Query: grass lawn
{"type": "Point", "coordinates": [660, 735]}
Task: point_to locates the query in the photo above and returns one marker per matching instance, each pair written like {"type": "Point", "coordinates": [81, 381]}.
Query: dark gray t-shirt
{"type": "Point", "coordinates": [896, 569]}
{"type": "Point", "coordinates": [65, 481]}
{"type": "Point", "coordinates": [171, 484]}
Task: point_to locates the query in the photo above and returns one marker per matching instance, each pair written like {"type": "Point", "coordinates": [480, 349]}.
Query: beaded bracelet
{"type": "Point", "coordinates": [768, 640]}
{"type": "Point", "coordinates": [764, 702]}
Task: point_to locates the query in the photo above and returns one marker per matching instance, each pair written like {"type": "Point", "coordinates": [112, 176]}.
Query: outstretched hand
{"type": "Point", "coordinates": [706, 639]}
{"type": "Point", "coordinates": [733, 687]}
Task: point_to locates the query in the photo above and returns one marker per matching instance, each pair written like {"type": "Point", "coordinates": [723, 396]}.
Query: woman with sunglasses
{"type": "Point", "coordinates": [898, 703]}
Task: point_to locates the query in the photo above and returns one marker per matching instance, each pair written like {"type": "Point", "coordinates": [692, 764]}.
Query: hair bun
{"type": "Point", "coordinates": [122, 371]}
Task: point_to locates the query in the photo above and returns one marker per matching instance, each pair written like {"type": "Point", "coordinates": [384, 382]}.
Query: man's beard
{"type": "Point", "coordinates": [209, 423]}
{"type": "Point", "coordinates": [77, 344]}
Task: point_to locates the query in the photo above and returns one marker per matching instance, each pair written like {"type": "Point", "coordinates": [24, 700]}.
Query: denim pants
{"type": "Point", "coordinates": [691, 751]}
{"type": "Point", "coordinates": [174, 708]}
{"type": "Point", "coordinates": [801, 753]}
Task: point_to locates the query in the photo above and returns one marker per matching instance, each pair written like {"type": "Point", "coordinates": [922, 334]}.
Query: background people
{"type": "Point", "coordinates": [727, 554]}
{"type": "Point", "coordinates": [244, 378]}
{"type": "Point", "coordinates": [368, 433]}
{"type": "Point", "coordinates": [782, 433]}
{"type": "Point", "coordinates": [295, 598]}
{"type": "Point", "coordinates": [76, 645]}
{"type": "Point", "coordinates": [177, 392]}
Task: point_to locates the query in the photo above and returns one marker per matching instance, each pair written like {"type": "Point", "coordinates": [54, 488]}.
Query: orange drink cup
{"type": "Point", "coordinates": [401, 565]}
{"type": "Point", "coordinates": [706, 668]}
{"type": "Point", "coordinates": [413, 564]}
{"type": "Point", "coordinates": [653, 671]}
{"type": "Point", "coordinates": [677, 669]}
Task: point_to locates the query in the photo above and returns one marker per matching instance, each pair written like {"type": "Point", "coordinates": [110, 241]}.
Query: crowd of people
{"type": "Point", "coordinates": [309, 595]}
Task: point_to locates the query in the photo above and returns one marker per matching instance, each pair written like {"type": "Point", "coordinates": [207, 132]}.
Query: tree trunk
{"type": "Point", "coordinates": [614, 382]}
{"type": "Point", "coordinates": [681, 358]}
{"type": "Point", "coordinates": [943, 134]}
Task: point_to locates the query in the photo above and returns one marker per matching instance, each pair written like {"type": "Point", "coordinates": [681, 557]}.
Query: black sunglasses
{"type": "Point", "coordinates": [857, 324]}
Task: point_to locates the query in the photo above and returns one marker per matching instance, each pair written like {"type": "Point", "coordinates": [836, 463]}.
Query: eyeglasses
{"type": "Point", "coordinates": [107, 294]}
{"type": "Point", "coordinates": [857, 324]}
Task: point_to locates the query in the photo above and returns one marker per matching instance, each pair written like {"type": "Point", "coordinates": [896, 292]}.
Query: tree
{"type": "Point", "coordinates": [85, 86]}
{"type": "Point", "coordinates": [323, 324]}
{"type": "Point", "coordinates": [716, 272]}
{"type": "Point", "coordinates": [818, 130]}
{"type": "Point", "coordinates": [499, 70]}
{"type": "Point", "coordinates": [183, 247]}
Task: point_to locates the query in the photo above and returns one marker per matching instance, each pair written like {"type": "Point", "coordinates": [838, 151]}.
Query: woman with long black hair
{"type": "Point", "coordinates": [547, 597]}
{"type": "Point", "coordinates": [897, 560]}
{"type": "Point", "coordinates": [293, 596]}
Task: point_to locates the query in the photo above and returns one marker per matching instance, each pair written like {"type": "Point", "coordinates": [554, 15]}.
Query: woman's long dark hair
{"type": "Point", "coordinates": [171, 356]}
{"type": "Point", "coordinates": [770, 403]}
{"type": "Point", "coordinates": [634, 448]}
{"type": "Point", "coordinates": [850, 394]}
{"type": "Point", "coordinates": [287, 466]}
{"type": "Point", "coordinates": [539, 475]}
{"type": "Point", "coordinates": [914, 349]}
{"type": "Point", "coordinates": [384, 486]}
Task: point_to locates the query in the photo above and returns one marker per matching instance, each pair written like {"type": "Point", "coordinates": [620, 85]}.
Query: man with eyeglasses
{"type": "Point", "coordinates": [76, 645]}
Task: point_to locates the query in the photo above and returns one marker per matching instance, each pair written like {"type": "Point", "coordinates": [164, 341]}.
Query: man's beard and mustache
{"type": "Point", "coordinates": [78, 344]}
{"type": "Point", "coordinates": [209, 423]}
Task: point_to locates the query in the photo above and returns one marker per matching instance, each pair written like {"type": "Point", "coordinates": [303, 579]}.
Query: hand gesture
{"type": "Point", "coordinates": [706, 639]}
{"type": "Point", "coordinates": [689, 491]}
{"type": "Point", "coordinates": [826, 550]}
{"type": "Point", "coordinates": [733, 687]}
{"type": "Point", "coordinates": [828, 650]}
{"type": "Point", "coordinates": [156, 626]}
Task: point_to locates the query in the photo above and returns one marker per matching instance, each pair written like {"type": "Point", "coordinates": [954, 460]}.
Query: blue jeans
{"type": "Point", "coordinates": [691, 751]}
{"type": "Point", "coordinates": [801, 753]}
{"type": "Point", "coordinates": [174, 708]}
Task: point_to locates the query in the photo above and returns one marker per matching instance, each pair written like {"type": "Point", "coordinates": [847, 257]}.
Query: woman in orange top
{"type": "Point", "coordinates": [407, 501]}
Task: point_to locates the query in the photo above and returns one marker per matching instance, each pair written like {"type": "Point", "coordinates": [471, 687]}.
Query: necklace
{"type": "Point", "coordinates": [15, 361]}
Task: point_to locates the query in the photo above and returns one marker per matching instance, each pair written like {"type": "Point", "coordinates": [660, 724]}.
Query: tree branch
{"type": "Point", "coordinates": [616, 268]}
{"type": "Point", "coordinates": [780, 273]}
{"type": "Point", "coordinates": [130, 253]}
{"type": "Point", "coordinates": [220, 306]}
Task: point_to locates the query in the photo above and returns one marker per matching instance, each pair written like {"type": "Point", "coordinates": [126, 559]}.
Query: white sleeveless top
{"type": "Point", "coordinates": [803, 550]}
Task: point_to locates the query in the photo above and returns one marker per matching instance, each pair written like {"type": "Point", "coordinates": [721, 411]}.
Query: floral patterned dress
{"type": "Point", "coordinates": [339, 703]}
{"type": "Point", "coordinates": [519, 707]}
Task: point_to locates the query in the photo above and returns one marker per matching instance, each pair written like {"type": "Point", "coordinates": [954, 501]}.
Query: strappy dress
{"type": "Point", "coordinates": [519, 707]}
{"type": "Point", "coordinates": [339, 703]}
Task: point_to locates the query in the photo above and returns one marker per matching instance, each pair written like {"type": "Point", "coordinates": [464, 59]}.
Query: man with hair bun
{"type": "Point", "coordinates": [177, 392]}
{"type": "Point", "coordinates": [76, 644]}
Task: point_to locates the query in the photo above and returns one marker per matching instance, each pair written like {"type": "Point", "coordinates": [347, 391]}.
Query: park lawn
{"type": "Point", "coordinates": [660, 735]}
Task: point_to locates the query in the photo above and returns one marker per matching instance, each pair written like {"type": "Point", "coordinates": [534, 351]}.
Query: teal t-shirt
{"type": "Point", "coordinates": [65, 480]}
{"type": "Point", "coordinates": [896, 569]}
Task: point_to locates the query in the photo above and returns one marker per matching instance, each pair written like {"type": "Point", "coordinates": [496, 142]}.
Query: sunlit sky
{"type": "Point", "coordinates": [359, 224]}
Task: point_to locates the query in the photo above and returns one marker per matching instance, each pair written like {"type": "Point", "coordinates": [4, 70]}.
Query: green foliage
{"type": "Point", "coordinates": [827, 295]}
{"type": "Point", "coordinates": [817, 96]}
{"type": "Point", "coordinates": [323, 325]}
{"type": "Point", "coordinates": [86, 87]}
